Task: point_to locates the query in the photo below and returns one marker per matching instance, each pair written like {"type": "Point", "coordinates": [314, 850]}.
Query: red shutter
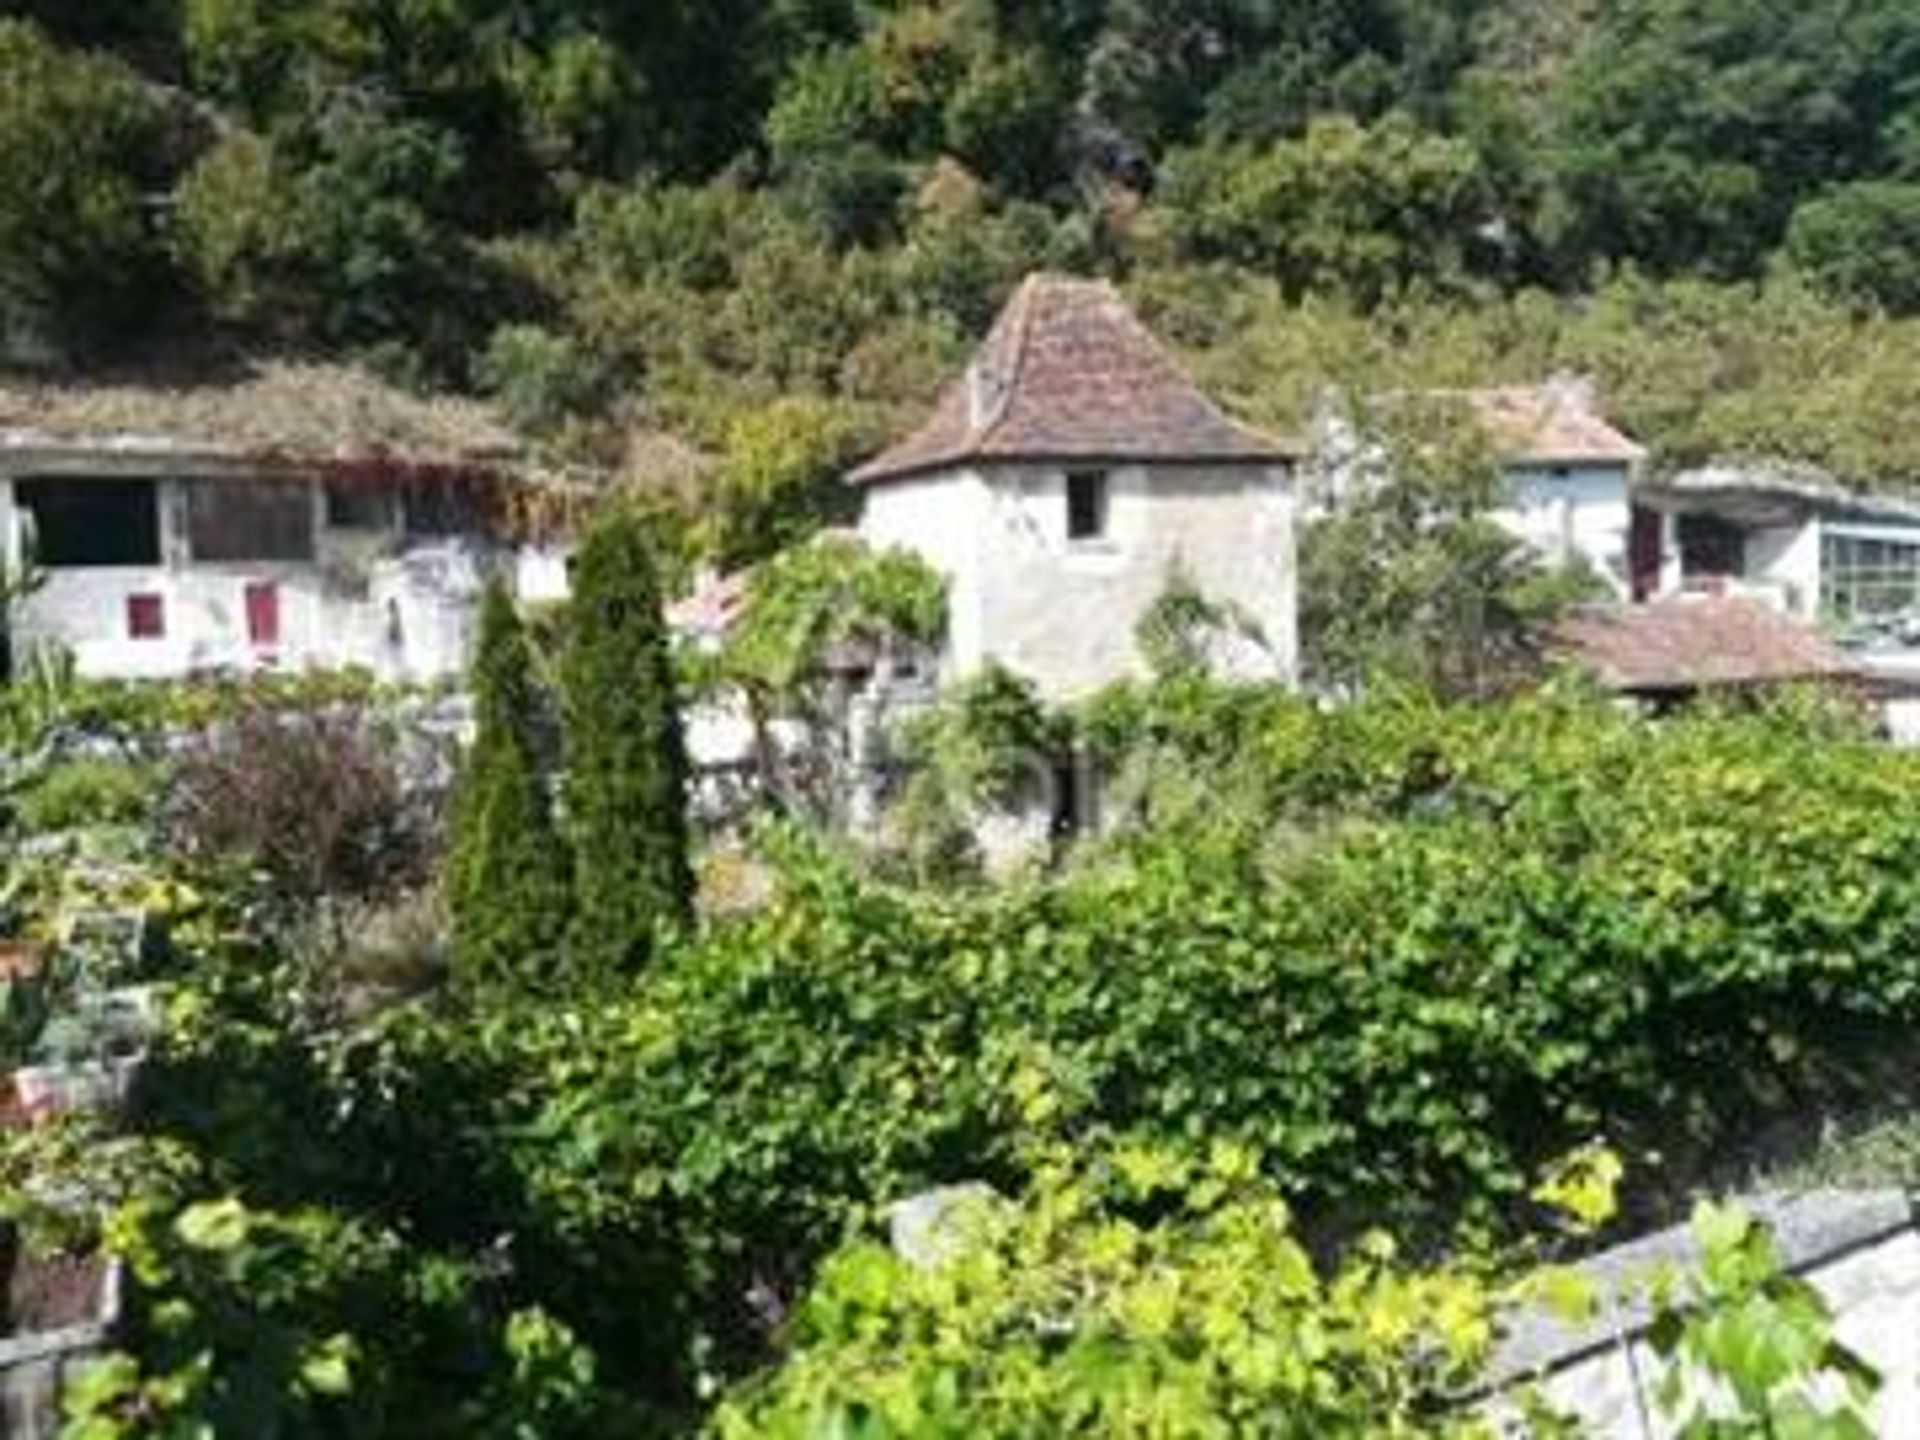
{"type": "Point", "coordinates": [263, 615]}
{"type": "Point", "coordinates": [146, 617]}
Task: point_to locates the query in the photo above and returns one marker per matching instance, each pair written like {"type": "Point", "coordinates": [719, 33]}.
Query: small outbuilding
{"type": "Point", "coordinates": [295, 516]}
{"type": "Point", "coordinates": [1673, 649]}
{"type": "Point", "coordinates": [1070, 477]}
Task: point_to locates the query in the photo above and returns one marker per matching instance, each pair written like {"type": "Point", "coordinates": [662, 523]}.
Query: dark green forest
{"type": "Point", "coordinates": [609, 216]}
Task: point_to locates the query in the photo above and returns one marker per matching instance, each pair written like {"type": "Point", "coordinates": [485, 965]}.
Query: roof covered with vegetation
{"type": "Point", "coordinates": [292, 411]}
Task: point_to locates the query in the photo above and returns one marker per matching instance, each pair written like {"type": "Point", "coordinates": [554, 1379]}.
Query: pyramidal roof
{"type": "Point", "coordinates": [1068, 372]}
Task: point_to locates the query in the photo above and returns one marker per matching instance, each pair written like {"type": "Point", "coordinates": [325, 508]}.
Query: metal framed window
{"type": "Point", "coordinates": [240, 521]}
{"type": "Point", "coordinates": [1863, 577]}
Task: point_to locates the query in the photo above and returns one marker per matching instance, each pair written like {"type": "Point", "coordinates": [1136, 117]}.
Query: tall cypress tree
{"type": "Point", "coordinates": [626, 756]}
{"type": "Point", "coordinates": [508, 871]}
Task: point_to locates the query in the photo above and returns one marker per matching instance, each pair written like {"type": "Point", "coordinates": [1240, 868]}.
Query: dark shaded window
{"type": "Point", "coordinates": [1711, 546]}
{"type": "Point", "coordinates": [1086, 504]}
{"type": "Point", "coordinates": [93, 522]}
{"type": "Point", "coordinates": [248, 520]}
{"type": "Point", "coordinates": [359, 507]}
{"type": "Point", "coordinates": [433, 509]}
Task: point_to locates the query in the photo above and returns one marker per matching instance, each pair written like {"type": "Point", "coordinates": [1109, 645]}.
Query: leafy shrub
{"type": "Point", "coordinates": [84, 792]}
{"type": "Point", "coordinates": [308, 1323]}
{"type": "Point", "coordinates": [538, 378]}
{"type": "Point", "coordinates": [336, 228]}
{"type": "Point", "coordinates": [1142, 1295]}
{"type": "Point", "coordinates": [508, 873]}
{"type": "Point", "coordinates": [1365, 211]}
{"type": "Point", "coordinates": [315, 802]}
{"type": "Point", "coordinates": [626, 779]}
{"type": "Point", "coordinates": [780, 476]}
{"type": "Point", "coordinates": [1070, 1314]}
{"type": "Point", "coordinates": [1407, 574]}
{"type": "Point", "coordinates": [1858, 244]}
{"type": "Point", "coordinates": [80, 141]}
{"type": "Point", "coordinates": [1556, 921]}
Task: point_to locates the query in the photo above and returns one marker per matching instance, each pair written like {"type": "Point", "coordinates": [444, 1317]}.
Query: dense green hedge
{"type": "Point", "coordinates": [1531, 926]}
{"type": "Point", "coordinates": [1462, 941]}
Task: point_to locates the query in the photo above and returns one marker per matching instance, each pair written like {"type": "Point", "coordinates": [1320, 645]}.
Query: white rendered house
{"type": "Point", "coordinates": [1573, 486]}
{"type": "Point", "coordinates": [306, 518]}
{"type": "Point", "coordinates": [1071, 476]}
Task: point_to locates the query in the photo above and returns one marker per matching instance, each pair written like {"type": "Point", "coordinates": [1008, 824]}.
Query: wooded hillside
{"type": "Point", "coordinates": [672, 214]}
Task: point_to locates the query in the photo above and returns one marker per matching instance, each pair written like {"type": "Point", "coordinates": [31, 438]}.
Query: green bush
{"type": "Point", "coordinates": [308, 1323]}
{"type": "Point", "coordinates": [1139, 1295]}
{"type": "Point", "coordinates": [1071, 1315]}
{"type": "Point", "coordinates": [626, 780]}
{"type": "Point", "coordinates": [507, 870]}
{"type": "Point", "coordinates": [1362, 211]}
{"type": "Point", "coordinates": [80, 145]}
{"type": "Point", "coordinates": [1534, 923]}
{"type": "Point", "coordinates": [78, 793]}
{"type": "Point", "coordinates": [337, 227]}
{"type": "Point", "coordinates": [538, 379]}
{"type": "Point", "coordinates": [1859, 244]}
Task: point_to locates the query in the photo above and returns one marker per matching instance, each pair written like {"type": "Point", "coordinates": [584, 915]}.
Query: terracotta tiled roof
{"type": "Point", "coordinates": [1069, 373]}
{"type": "Point", "coordinates": [1691, 643]}
{"type": "Point", "coordinates": [1552, 424]}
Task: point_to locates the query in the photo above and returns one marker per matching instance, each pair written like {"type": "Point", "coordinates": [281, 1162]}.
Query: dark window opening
{"type": "Point", "coordinates": [436, 511]}
{"type": "Point", "coordinates": [1646, 536]}
{"type": "Point", "coordinates": [1711, 548]}
{"type": "Point", "coordinates": [1086, 504]}
{"type": "Point", "coordinates": [359, 507]}
{"type": "Point", "coordinates": [240, 521]}
{"type": "Point", "coordinates": [146, 617]}
{"type": "Point", "coordinates": [92, 522]}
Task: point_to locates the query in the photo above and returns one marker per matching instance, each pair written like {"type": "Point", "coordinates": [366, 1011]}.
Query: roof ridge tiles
{"type": "Point", "coordinates": [1083, 380]}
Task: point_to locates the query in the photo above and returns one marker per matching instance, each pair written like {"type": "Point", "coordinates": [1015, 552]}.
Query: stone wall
{"type": "Point", "coordinates": [1860, 1250]}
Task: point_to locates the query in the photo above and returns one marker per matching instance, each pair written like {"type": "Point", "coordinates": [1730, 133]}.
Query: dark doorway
{"type": "Point", "coordinates": [1711, 548]}
{"type": "Point", "coordinates": [1645, 532]}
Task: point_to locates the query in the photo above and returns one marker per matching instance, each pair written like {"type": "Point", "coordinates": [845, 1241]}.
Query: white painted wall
{"type": "Point", "coordinates": [1785, 561]}
{"type": "Point", "coordinates": [943, 519]}
{"type": "Point", "coordinates": [1573, 511]}
{"type": "Point", "coordinates": [405, 614]}
{"type": "Point", "coordinates": [541, 574]}
{"type": "Point", "coordinates": [1063, 613]}
{"type": "Point", "coordinates": [1874, 1294]}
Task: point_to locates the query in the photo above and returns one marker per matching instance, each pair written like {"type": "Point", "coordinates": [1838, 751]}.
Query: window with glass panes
{"type": "Point", "coordinates": [1864, 576]}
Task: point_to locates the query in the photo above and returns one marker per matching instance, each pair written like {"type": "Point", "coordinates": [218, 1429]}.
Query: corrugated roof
{"type": "Point", "coordinates": [1690, 643]}
{"type": "Point", "coordinates": [1068, 372]}
{"type": "Point", "coordinates": [1551, 424]}
{"type": "Point", "coordinates": [287, 411]}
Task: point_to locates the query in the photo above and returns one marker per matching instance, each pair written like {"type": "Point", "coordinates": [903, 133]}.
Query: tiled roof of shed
{"type": "Point", "coordinates": [1690, 643]}
{"type": "Point", "coordinates": [1068, 372]}
{"type": "Point", "coordinates": [1550, 424]}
